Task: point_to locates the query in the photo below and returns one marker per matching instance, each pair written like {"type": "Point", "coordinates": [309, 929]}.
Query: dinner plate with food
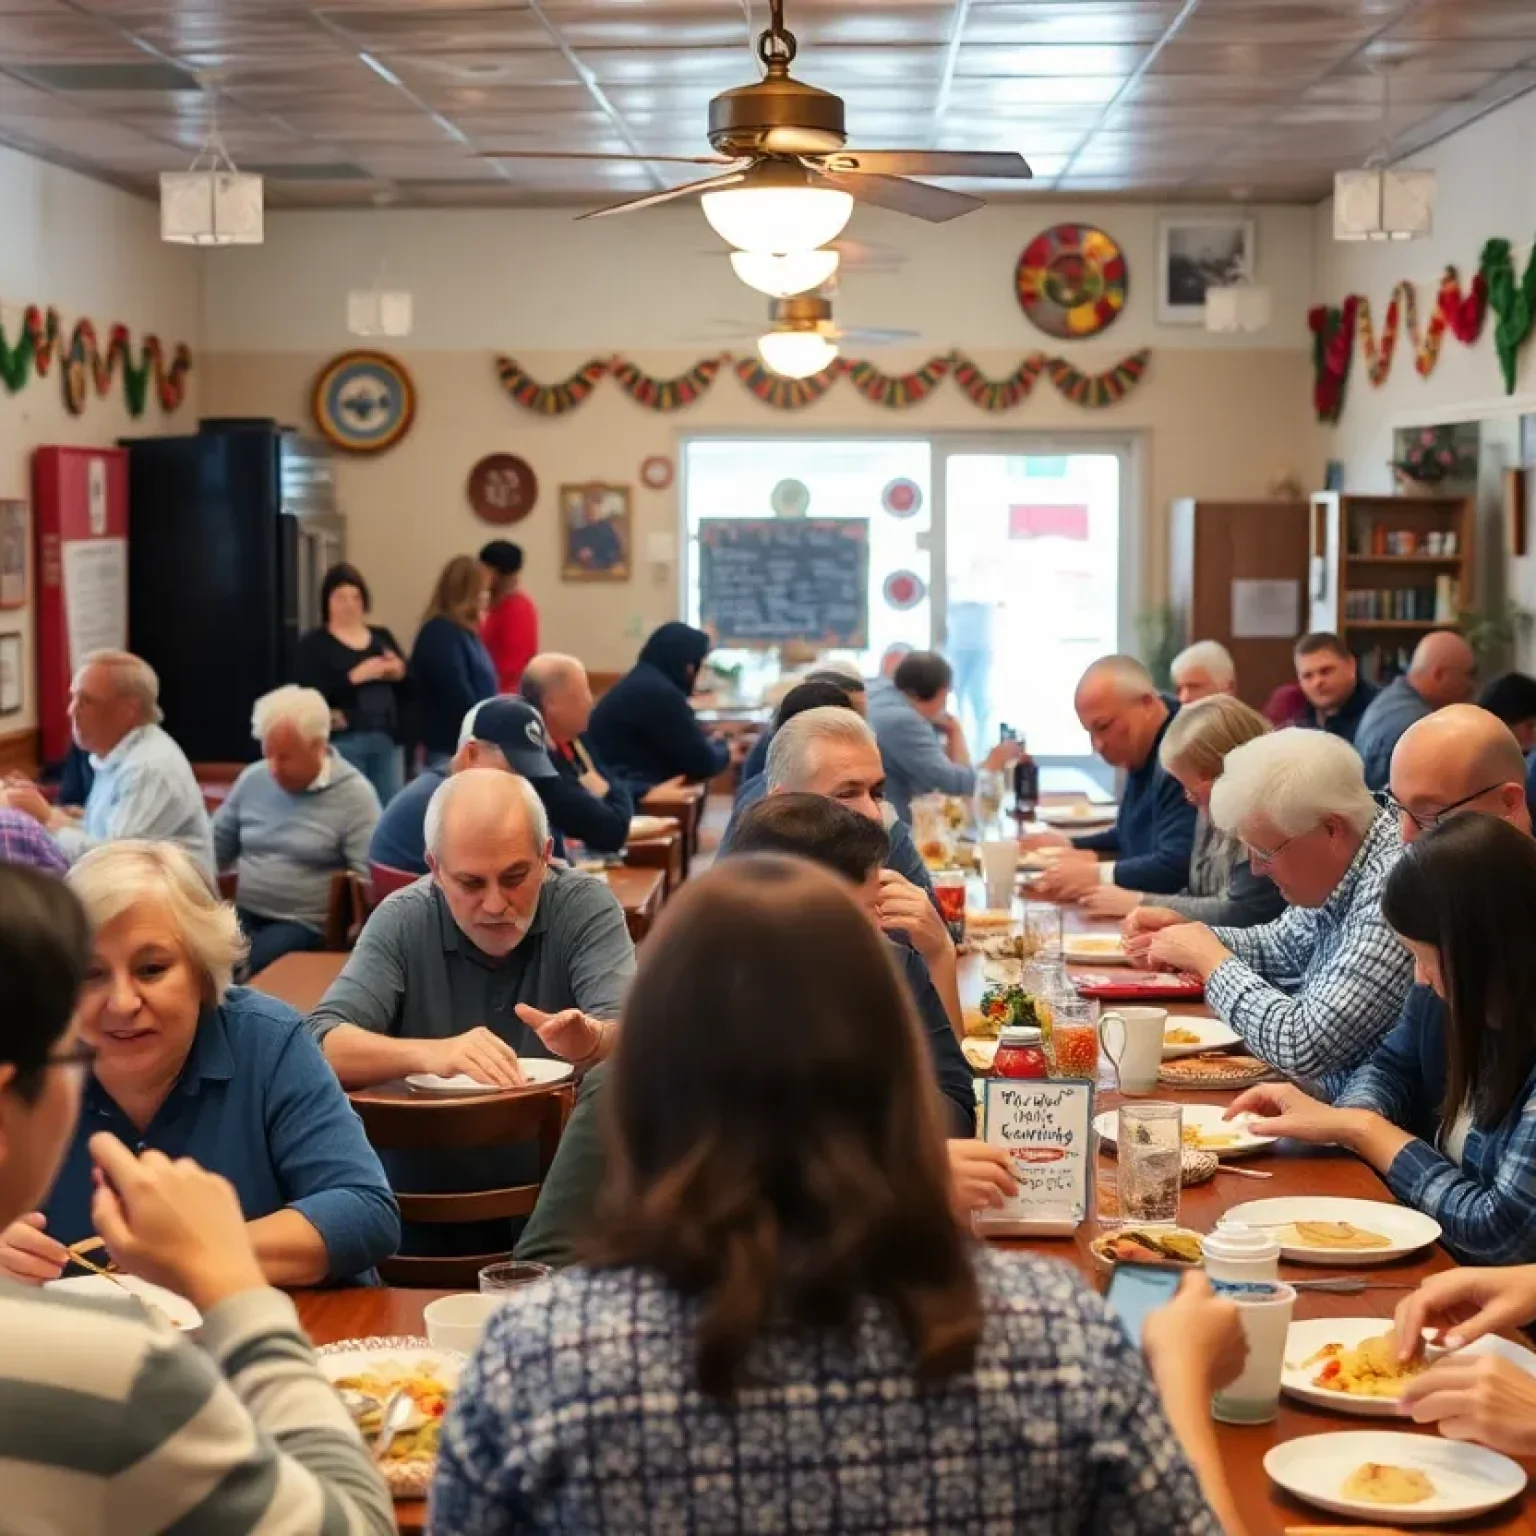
{"type": "Point", "coordinates": [1186, 1035]}
{"type": "Point", "coordinates": [642, 828]}
{"type": "Point", "coordinates": [162, 1305]}
{"type": "Point", "coordinates": [1405, 1479]}
{"type": "Point", "coordinates": [1169, 1247]}
{"type": "Point", "coordinates": [1351, 1364]}
{"type": "Point", "coordinates": [1095, 949]}
{"type": "Point", "coordinates": [371, 1375]}
{"type": "Point", "coordinates": [1218, 1070]}
{"type": "Point", "coordinates": [1204, 1131]}
{"type": "Point", "coordinates": [1324, 1229]}
{"type": "Point", "coordinates": [541, 1072]}
{"type": "Point", "coordinates": [1081, 813]}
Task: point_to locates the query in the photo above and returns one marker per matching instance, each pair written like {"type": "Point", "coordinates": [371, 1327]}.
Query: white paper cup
{"type": "Point", "coordinates": [999, 868]}
{"type": "Point", "coordinates": [456, 1322]}
{"type": "Point", "coordinates": [1265, 1308]}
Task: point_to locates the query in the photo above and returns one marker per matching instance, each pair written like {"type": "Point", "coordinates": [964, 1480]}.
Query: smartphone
{"type": "Point", "coordinates": [1138, 1289]}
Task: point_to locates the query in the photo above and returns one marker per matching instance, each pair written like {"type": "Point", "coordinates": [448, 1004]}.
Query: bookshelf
{"type": "Point", "coordinates": [1386, 570]}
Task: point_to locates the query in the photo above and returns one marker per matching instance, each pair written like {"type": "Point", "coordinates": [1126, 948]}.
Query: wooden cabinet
{"type": "Point", "coordinates": [1217, 543]}
{"type": "Point", "coordinates": [1388, 570]}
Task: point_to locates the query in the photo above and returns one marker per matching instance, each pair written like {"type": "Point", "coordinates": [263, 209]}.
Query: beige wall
{"type": "Point", "coordinates": [95, 253]}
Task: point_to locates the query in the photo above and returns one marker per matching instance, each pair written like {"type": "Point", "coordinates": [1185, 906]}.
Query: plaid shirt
{"type": "Point", "coordinates": [1314, 991]}
{"type": "Point", "coordinates": [22, 841]}
{"type": "Point", "coordinates": [580, 1413]}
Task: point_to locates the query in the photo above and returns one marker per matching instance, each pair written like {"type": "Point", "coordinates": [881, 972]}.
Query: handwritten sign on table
{"type": "Point", "coordinates": [1047, 1130]}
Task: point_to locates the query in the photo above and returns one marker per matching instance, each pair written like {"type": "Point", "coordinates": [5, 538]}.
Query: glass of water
{"type": "Point", "coordinates": [1150, 1155]}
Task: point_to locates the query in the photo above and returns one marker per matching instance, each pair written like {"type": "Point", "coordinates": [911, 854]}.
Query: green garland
{"type": "Point", "coordinates": [85, 362]}
{"type": "Point", "coordinates": [1514, 303]}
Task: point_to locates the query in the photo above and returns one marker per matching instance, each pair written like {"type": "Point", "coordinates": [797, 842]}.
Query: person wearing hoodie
{"type": "Point", "coordinates": [645, 727]}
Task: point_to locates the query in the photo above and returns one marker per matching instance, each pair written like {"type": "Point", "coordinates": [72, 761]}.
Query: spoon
{"type": "Point", "coordinates": [399, 1410]}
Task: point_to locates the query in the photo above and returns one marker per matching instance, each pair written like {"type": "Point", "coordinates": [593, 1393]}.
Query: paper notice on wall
{"type": "Point", "coordinates": [95, 597]}
{"type": "Point", "coordinates": [1266, 610]}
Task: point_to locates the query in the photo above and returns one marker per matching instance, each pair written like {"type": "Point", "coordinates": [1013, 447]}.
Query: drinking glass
{"type": "Point", "coordinates": [511, 1275]}
{"type": "Point", "coordinates": [949, 891]}
{"type": "Point", "coordinates": [1150, 1154]}
{"type": "Point", "coordinates": [1074, 1036]}
{"type": "Point", "coordinates": [1043, 935]}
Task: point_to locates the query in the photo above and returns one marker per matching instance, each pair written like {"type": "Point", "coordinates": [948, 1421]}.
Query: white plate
{"type": "Point", "coordinates": [1079, 815]}
{"type": "Point", "coordinates": [540, 1070]}
{"type": "Point", "coordinates": [1469, 1479]}
{"type": "Point", "coordinates": [1408, 1230]}
{"type": "Point", "coordinates": [356, 1357]}
{"type": "Point", "coordinates": [1214, 1036]}
{"type": "Point", "coordinates": [649, 826]}
{"type": "Point", "coordinates": [178, 1309]}
{"type": "Point", "coordinates": [1207, 1117]}
{"type": "Point", "coordinates": [1095, 949]}
{"type": "Point", "coordinates": [1305, 1339]}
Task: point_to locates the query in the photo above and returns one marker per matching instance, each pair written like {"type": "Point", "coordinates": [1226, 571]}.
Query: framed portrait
{"type": "Point", "coordinates": [1196, 252]}
{"type": "Point", "coordinates": [13, 554]}
{"type": "Point", "coordinates": [12, 693]}
{"type": "Point", "coordinates": [596, 541]}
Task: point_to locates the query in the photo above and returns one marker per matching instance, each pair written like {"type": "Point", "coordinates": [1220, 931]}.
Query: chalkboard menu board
{"type": "Point", "coordinates": [765, 581]}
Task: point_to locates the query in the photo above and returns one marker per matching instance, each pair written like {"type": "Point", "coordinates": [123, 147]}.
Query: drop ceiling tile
{"type": "Point", "coordinates": [722, 67]}
{"type": "Point", "coordinates": [1408, 90]}
{"type": "Point", "coordinates": [1410, 56]}
{"type": "Point", "coordinates": [1290, 21]}
{"type": "Point", "coordinates": [63, 39]}
{"type": "Point", "coordinates": [449, 30]}
{"type": "Point", "coordinates": [1075, 21]}
{"type": "Point", "coordinates": [1450, 19]}
{"type": "Point", "coordinates": [1254, 60]}
{"type": "Point", "coordinates": [542, 66]}
{"type": "Point", "coordinates": [1049, 60]}
{"type": "Point", "coordinates": [844, 24]}
{"type": "Point", "coordinates": [1040, 92]}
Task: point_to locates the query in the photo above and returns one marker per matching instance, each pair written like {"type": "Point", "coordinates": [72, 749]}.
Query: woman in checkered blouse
{"type": "Point", "coordinates": [781, 1327]}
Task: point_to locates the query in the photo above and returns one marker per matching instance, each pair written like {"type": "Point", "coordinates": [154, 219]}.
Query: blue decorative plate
{"type": "Point", "coordinates": [364, 401]}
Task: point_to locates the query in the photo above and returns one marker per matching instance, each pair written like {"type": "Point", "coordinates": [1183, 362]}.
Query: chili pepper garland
{"type": "Point", "coordinates": [1333, 346]}
{"type": "Point", "coordinates": [550, 399]}
{"type": "Point", "coordinates": [897, 391]}
{"type": "Point", "coordinates": [785, 394]}
{"type": "Point", "coordinates": [1514, 303]}
{"type": "Point", "coordinates": [666, 394]}
{"type": "Point", "coordinates": [86, 362]}
{"type": "Point", "coordinates": [1461, 315]}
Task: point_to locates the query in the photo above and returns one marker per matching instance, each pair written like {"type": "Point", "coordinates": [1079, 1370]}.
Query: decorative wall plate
{"type": "Point", "coordinates": [502, 488]}
{"type": "Point", "coordinates": [790, 498]}
{"type": "Point", "coordinates": [902, 498]}
{"type": "Point", "coordinates": [364, 401]}
{"type": "Point", "coordinates": [1071, 280]}
{"type": "Point", "coordinates": [904, 590]}
{"type": "Point", "coordinates": [656, 472]}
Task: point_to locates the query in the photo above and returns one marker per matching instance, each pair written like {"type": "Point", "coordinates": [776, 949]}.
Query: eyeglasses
{"type": "Point", "coordinates": [1260, 856]}
{"type": "Point", "coordinates": [1386, 800]}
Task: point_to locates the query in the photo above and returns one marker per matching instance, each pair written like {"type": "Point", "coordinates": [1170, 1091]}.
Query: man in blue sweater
{"type": "Point", "coordinates": [1125, 717]}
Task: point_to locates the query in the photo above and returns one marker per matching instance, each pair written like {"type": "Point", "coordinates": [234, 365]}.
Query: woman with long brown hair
{"type": "Point", "coordinates": [783, 1327]}
{"type": "Point", "coordinates": [451, 670]}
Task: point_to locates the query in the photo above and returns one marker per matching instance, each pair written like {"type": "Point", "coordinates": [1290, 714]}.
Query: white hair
{"type": "Point", "coordinates": [304, 709]}
{"type": "Point", "coordinates": [1213, 656]}
{"type": "Point", "coordinates": [789, 752]}
{"type": "Point", "coordinates": [446, 792]}
{"type": "Point", "coordinates": [114, 878]}
{"type": "Point", "coordinates": [131, 676]}
{"type": "Point", "coordinates": [1129, 677]}
{"type": "Point", "coordinates": [467, 728]}
{"type": "Point", "coordinates": [1296, 778]}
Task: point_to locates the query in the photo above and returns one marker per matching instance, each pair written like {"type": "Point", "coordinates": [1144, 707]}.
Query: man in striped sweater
{"type": "Point", "coordinates": [111, 1422]}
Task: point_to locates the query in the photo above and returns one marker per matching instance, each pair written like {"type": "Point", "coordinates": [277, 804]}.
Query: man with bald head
{"type": "Point", "coordinates": [1459, 759]}
{"type": "Point", "coordinates": [1125, 718]}
{"type": "Point", "coordinates": [1443, 671]}
{"type": "Point", "coordinates": [585, 800]}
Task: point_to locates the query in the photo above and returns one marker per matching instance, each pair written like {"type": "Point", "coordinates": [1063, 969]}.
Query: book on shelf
{"type": "Point", "coordinates": [1408, 605]}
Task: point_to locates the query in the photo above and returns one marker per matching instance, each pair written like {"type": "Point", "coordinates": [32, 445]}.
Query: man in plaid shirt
{"type": "Point", "coordinates": [1315, 991]}
{"type": "Point", "coordinates": [22, 841]}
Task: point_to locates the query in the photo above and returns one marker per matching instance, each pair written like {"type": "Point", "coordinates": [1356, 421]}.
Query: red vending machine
{"type": "Point", "coordinates": [80, 511]}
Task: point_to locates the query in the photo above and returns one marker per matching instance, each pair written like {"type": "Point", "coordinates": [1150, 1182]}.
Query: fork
{"type": "Point", "coordinates": [1352, 1285]}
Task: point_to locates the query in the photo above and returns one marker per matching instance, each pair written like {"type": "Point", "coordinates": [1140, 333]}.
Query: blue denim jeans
{"type": "Point", "coordinates": [272, 937]}
{"type": "Point", "coordinates": [377, 757]}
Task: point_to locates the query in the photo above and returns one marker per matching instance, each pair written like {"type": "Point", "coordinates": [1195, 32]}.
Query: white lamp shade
{"type": "Point", "coordinates": [1376, 204]}
{"type": "Point", "coordinates": [781, 277]}
{"type": "Point", "coordinates": [379, 312]}
{"type": "Point", "coordinates": [777, 220]}
{"type": "Point", "coordinates": [796, 354]}
{"type": "Point", "coordinates": [1242, 307]}
{"type": "Point", "coordinates": [210, 207]}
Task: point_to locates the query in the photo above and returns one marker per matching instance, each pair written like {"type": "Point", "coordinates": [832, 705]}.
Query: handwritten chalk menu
{"type": "Point", "coordinates": [765, 581]}
{"type": "Point", "coordinates": [1046, 1129]}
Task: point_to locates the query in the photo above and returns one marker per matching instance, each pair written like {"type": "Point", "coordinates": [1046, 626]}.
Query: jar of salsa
{"type": "Point", "coordinates": [1020, 1053]}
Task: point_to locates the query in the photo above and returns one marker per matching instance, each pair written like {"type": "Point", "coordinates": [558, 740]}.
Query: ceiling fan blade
{"type": "Point", "coordinates": [916, 198]}
{"type": "Point", "coordinates": [573, 154]}
{"type": "Point", "coordinates": [865, 336]}
{"type": "Point", "coordinates": [926, 162]}
{"type": "Point", "coordinates": [690, 189]}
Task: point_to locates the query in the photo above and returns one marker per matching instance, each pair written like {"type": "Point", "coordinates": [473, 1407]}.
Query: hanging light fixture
{"type": "Point", "coordinates": [379, 311]}
{"type": "Point", "coordinates": [780, 277]}
{"type": "Point", "coordinates": [796, 354]}
{"type": "Point", "coordinates": [211, 202]}
{"type": "Point", "coordinates": [1375, 203]}
{"type": "Point", "coordinates": [779, 209]}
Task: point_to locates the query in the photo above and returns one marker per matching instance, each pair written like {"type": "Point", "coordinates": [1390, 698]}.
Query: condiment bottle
{"type": "Point", "coordinates": [1237, 1252]}
{"type": "Point", "coordinates": [1020, 1053]}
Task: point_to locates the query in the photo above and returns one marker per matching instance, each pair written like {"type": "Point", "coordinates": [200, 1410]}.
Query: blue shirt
{"type": "Point", "coordinates": [400, 839]}
{"type": "Point", "coordinates": [451, 672]}
{"type": "Point", "coordinates": [257, 1103]}
{"type": "Point", "coordinates": [1345, 720]}
{"type": "Point", "coordinates": [914, 757]}
{"type": "Point", "coordinates": [1154, 832]}
{"type": "Point", "coordinates": [1391, 712]}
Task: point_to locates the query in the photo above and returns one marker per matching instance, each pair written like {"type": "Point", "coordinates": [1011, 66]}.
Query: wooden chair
{"type": "Point", "coordinates": [394, 1122]}
{"type": "Point", "coordinates": [384, 881]}
{"type": "Point", "coordinates": [346, 911]}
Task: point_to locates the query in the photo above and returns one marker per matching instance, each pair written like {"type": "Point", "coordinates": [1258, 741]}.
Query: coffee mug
{"type": "Point", "coordinates": [1141, 1046]}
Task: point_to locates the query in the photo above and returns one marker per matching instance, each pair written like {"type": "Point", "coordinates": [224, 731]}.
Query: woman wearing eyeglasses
{"type": "Point", "coordinates": [1445, 1109]}
{"type": "Point", "coordinates": [184, 1063]}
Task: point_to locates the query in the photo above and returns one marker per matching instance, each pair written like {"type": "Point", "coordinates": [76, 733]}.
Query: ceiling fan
{"type": "Point", "coordinates": [785, 182]}
{"type": "Point", "coordinates": [810, 271]}
{"type": "Point", "coordinates": [802, 338]}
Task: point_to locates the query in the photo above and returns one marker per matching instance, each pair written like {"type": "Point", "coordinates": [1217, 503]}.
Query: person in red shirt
{"type": "Point", "coordinates": [511, 625]}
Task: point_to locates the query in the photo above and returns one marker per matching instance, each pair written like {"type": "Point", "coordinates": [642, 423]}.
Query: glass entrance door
{"type": "Point", "coordinates": [1030, 595]}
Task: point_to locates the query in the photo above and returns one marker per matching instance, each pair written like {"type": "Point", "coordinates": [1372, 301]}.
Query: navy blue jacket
{"type": "Point", "coordinates": [451, 671]}
{"type": "Point", "coordinates": [756, 761]}
{"type": "Point", "coordinates": [644, 726]}
{"type": "Point", "coordinates": [602, 825]}
{"type": "Point", "coordinates": [1530, 781]}
{"type": "Point", "coordinates": [1347, 721]}
{"type": "Point", "coordinates": [1155, 831]}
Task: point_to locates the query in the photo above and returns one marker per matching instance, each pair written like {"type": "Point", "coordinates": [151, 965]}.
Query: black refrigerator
{"type": "Point", "coordinates": [229, 533]}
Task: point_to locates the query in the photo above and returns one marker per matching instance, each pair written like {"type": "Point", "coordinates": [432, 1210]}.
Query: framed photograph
{"type": "Point", "coordinates": [13, 554]}
{"type": "Point", "coordinates": [595, 533]}
{"type": "Point", "coordinates": [1196, 252]}
{"type": "Point", "coordinates": [11, 691]}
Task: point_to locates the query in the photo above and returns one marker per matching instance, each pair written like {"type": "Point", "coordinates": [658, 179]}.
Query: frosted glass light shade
{"type": "Point", "coordinates": [1377, 204]}
{"type": "Point", "coordinates": [1242, 307]}
{"type": "Point", "coordinates": [777, 220]}
{"type": "Point", "coordinates": [378, 312]}
{"type": "Point", "coordinates": [211, 207]}
{"type": "Point", "coordinates": [781, 277]}
{"type": "Point", "coordinates": [796, 354]}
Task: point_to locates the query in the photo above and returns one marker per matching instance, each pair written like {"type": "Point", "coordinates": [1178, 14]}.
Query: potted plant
{"type": "Point", "coordinates": [1494, 633]}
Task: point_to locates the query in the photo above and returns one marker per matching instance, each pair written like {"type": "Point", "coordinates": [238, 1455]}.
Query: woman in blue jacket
{"type": "Point", "coordinates": [1445, 1110]}
{"type": "Point", "coordinates": [451, 670]}
{"type": "Point", "coordinates": [644, 725]}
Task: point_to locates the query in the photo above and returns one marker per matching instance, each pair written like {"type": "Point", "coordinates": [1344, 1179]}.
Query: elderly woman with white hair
{"type": "Point", "coordinates": [184, 1064]}
{"type": "Point", "coordinates": [1314, 992]}
{"type": "Point", "coordinates": [1203, 670]}
{"type": "Point", "coordinates": [291, 823]}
